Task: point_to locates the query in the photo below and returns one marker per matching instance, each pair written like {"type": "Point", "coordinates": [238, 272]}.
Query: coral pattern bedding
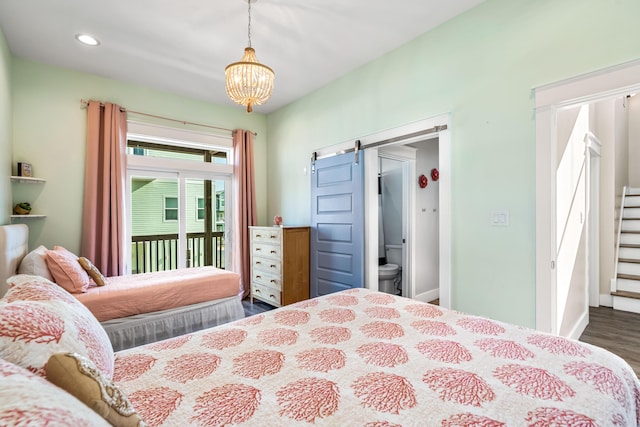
{"type": "Point", "coordinates": [149, 292]}
{"type": "Point", "coordinates": [365, 358]}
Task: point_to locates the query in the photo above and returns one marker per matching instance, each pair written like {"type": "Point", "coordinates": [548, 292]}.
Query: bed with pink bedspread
{"type": "Point", "coordinates": [365, 358]}
{"type": "Point", "coordinates": [159, 290]}
{"type": "Point", "coordinates": [142, 308]}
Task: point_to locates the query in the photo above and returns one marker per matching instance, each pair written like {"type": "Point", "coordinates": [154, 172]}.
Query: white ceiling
{"type": "Point", "coordinates": [183, 46]}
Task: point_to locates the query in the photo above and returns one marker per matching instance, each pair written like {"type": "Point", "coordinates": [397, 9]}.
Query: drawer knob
{"type": "Point", "coordinates": [258, 276]}
{"type": "Point", "coordinates": [258, 262]}
{"type": "Point", "coordinates": [258, 235]}
{"type": "Point", "coordinates": [258, 249]}
{"type": "Point", "coordinates": [273, 281]}
{"type": "Point", "coordinates": [273, 266]}
{"type": "Point", "coordinates": [257, 291]}
{"type": "Point", "coordinates": [272, 296]}
{"type": "Point", "coordinates": [273, 252]}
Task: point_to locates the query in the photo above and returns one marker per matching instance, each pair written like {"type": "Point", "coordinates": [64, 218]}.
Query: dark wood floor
{"type": "Point", "coordinates": [617, 331]}
{"type": "Point", "coordinates": [613, 330]}
{"type": "Point", "coordinates": [256, 308]}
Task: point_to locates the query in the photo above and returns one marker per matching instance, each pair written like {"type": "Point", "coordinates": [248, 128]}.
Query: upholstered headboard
{"type": "Point", "coordinates": [14, 245]}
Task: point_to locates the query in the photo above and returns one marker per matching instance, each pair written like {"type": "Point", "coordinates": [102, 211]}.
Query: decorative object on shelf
{"type": "Point", "coordinates": [423, 181]}
{"type": "Point", "coordinates": [23, 208]}
{"type": "Point", "coordinates": [24, 169]}
{"type": "Point", "coordinates": [435, 174]}
{"type": "Point", "coordinates": [249, 82]}
{"type": "Point", "coordinates": [277, 221]}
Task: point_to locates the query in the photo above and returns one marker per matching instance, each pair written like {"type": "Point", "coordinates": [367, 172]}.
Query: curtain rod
{"type": "Point", "coordinates": [84, 103]}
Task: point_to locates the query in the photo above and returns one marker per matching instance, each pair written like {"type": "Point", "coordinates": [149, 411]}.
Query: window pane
{"type": "Point", "coordinates": [171, 215]}
{"type": "Point", "coordinates": [154, 229]}
{"type": "Point", "coordinates": [171, 202]}
{"type": "Point", "coordinates": [153, 149]}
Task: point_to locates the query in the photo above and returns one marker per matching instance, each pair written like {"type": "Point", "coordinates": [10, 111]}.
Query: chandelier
{"type": "Point", "coordinates": [249, 82]}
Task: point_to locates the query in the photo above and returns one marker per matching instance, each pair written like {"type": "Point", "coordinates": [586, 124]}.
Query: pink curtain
{"type": "Point", "coordinates": [103, 220]}
{"type": "Point", "coordinates": [245, 206]}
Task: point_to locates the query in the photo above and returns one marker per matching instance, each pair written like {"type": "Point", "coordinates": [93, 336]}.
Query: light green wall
{"type": "Point", "coordinates": [481, 67]}
{"type": "Point", "coordinates": [5, 131]}
{"type": "Point", "coordinates": [49, 133]}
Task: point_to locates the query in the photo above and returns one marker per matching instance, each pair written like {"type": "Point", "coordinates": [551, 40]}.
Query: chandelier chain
{"type": "Point", "coordinates": [249, 26]}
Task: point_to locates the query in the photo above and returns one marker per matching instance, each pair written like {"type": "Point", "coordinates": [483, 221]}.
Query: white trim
{"type": "Point", "coordinates": [371, 201]}
{"type": "Point", "coordinates": [604, 83]}
{"type": "Point", "coordinates": [606, 300]}
{"type": "Point", "coordinates": [428, 296]}
{"type": "Point", "coordinates": [580, 326]}
{"type": "Point", "coordinates": [626, 304]}
{"type": "Point", "coordinates": [593, 230]}
{"type": "Point", "coordinates": [173, 136]}
{"type": "Point", "coordinates": [598, 85]}
{"type": "Point", "coordinates": [371, 219]}
{"type": "Point", "coordinates": [202, 169]}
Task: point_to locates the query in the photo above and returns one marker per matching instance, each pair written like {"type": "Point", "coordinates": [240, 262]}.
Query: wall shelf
{"type": "Point", "coordinates": [27, 180]}
{"type": "Point", "coordinates": [30, 216]}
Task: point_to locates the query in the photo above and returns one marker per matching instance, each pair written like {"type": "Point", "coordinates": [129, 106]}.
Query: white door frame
{"type": "Point", "coordinates": [371, 196]}
{"type": "Point", "coordinates": [608, 83]}
{"type": "Point", "coordinates": [444, 184]}
{"type": "Point", "coordinates": [593, 234]}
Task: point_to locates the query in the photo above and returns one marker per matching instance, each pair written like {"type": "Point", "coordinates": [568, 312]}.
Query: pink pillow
{"type": "Point", "coordinates": [67, 271]}
{"type": "Point", "coordinates": [39, 318]}
{"type": "Point", "coordinates": [28, 400]}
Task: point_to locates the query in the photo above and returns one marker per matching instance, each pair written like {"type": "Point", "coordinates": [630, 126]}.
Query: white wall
{"type": "Point", "coordinates": [427, 215]}
{"type": "Point", "coordinates": [604, 130]}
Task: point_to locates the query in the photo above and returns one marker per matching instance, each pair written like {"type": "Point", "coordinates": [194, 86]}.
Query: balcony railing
{"type": "Point", "coordinates": [159, 252]}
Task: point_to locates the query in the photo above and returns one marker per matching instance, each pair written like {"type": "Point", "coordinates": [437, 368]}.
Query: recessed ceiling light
{"type": "Point", "coordinates": [87, 39]}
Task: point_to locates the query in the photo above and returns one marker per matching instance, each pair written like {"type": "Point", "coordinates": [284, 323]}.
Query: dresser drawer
{"type": "Point", "coordinates": [271, 266]}
{"type": "Point", "coordinates": [266, 250]}
{"type": "Point", "coordinates": [266, 235]}
{"type": "Point", "coordinates": [263, 278]}
{"type": "Point", "coordinates": [266, 293]}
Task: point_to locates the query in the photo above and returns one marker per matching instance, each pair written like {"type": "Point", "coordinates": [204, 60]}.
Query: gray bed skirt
{"type": "Point", "coordinates": [142, 329]}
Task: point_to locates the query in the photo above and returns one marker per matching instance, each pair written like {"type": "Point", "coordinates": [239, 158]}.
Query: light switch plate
{"type": "Point", "coordinates": [500, 218]}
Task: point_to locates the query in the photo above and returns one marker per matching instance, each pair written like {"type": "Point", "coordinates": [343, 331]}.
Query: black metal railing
{"type": "Point", "coordinates": [159, 252]}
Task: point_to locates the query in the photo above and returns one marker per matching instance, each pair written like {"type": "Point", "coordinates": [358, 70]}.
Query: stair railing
{"type": "Point", "coordinates": [614, 279]}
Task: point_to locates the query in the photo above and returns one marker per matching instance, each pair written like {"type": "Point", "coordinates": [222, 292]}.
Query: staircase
{"type": "Point", "coordinates": [626, 294]}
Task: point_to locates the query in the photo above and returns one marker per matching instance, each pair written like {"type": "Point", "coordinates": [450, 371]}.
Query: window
{"type": "Point", "coordinates": [170, 208]}
{"type": "Point", "coordinates": [177, 181]}
{"type": "Point", "coordinates": [200, 209]}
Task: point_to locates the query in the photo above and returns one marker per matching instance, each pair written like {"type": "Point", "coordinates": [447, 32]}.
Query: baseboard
{"type": "Point", "coordinates": [428, 296]}
{"type": "Point", "coordinates": [606, 300]}
{"type": "Point", "coordinates": [626, 304]}
{"type": "Point", "coordinates": [580, 326]}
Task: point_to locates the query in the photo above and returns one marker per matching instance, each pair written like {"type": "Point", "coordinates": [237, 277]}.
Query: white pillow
{"type": "Point", "coordinates": [35, 264]}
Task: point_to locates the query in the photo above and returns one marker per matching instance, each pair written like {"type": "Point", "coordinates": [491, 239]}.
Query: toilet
{"type": "Point", "coordinates": [389, 275]}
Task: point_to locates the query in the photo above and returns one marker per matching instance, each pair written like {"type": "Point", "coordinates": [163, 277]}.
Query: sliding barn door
{"type": "Point", "coordinates": [337, 224]}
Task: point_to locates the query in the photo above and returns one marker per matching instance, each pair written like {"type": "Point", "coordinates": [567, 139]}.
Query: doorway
{"type": "Point", "coordinates": [435, 127]}
{"type": "Point", "coordinates": [592, 88]}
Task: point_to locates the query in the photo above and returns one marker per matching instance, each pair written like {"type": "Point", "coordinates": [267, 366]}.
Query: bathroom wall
{"type": "Point", "coordinates": [426, 258]}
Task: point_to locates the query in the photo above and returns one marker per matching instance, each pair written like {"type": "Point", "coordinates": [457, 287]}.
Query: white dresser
{"type": "Point", "coordinates": [279, 264]}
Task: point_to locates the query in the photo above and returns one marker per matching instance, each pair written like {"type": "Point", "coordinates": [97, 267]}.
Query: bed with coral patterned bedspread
{"type": "Point", "coordinates": [371, 359]}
